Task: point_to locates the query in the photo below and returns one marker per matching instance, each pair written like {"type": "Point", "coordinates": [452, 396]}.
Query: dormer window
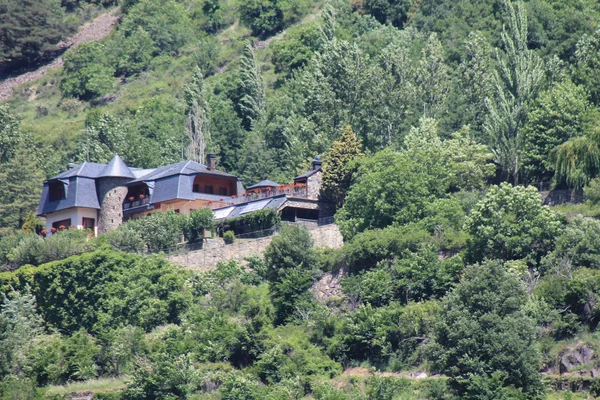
{"type": "Point", "coordinates": [57, 191]}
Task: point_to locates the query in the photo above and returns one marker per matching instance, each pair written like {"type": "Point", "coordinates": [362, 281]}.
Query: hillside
{"type": "Point", "coordinates": [460, 148]}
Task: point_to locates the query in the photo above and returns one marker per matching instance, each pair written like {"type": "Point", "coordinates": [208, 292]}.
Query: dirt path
{"type": "Point", "coordinates": [94, 30]}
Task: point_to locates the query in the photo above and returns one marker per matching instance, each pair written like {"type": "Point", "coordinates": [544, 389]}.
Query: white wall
{"type": "Point", "coordinates": [76, 215]}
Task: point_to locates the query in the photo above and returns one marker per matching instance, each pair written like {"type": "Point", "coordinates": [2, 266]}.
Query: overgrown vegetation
{"type": "Point", "coordinates": [436, 121]}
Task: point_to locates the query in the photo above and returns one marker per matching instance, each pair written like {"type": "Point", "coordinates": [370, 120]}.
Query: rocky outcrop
{"type": "Point", "coordinates": [578, 360]}
{"type": "Point", "coordinates": [328, 286]}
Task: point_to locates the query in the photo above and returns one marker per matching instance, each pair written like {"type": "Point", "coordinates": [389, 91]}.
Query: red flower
{"type": "Point", "coordinates": [72, 227]}
{"type": "Point", "coordinates": [142, 196]}
{"type": "Point", "coordinates": [62, 227]}
{"type": "Point", "coordinates": [131, 198]}
{"type": "Point", "coordinates": [44, 232]}
{"type": "Point", "coordinates": [53, 230]}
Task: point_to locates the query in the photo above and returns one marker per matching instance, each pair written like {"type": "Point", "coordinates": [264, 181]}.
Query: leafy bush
{"type": "Point", "coordinates": [511, 223]}
{"type": "Point", "coordinates": [104, 289]}
{"type": "Point", "coordinates": [88, 72]}
{"type": "Point", "coordinates": [166, 23]}
{"type": "Point", "coordinates": [592, 191]}
{"type": "Point", "coordinates": [159, 231]}
{"type": "Point", "coordinates": [228, 237]}
{"type": "Point", "coordinates": [35, 250]}
{"type": "Point", "coordinates": [265, 17]}
{"type": "Point", "coordinates": [197, 222]}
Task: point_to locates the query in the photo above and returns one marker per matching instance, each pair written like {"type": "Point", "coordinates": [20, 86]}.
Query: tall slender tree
{"type": "Point", "coordinates": [198, 119]}
{"type": "Point", "coordinates": [516, 83]}
{"type": "Point", "coordinates": [252, 102]}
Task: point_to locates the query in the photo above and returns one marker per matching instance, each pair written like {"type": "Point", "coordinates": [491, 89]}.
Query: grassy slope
{"type": "Point", "coordinates": [166, 78]}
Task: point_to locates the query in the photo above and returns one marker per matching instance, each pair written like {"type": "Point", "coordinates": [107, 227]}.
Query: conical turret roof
{"type": "Point", "coordinates": [117, 168]}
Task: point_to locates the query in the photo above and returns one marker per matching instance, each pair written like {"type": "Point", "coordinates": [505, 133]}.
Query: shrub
{"type": "Point", "coordinates": [265, 17]}
{"type": "Point", "coordinates": [159, 231]}
{"type": "Point", "coordinates": [511, 223]}
{"type": "Point", "coordinates": [228, 237]}
{"type": "Point", "coordinates": [592, 191]}
{"type": "Point", "coordinates": [198, 221]}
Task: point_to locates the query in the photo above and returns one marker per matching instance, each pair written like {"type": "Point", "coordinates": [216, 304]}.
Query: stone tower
{"type": "Point", "coordinates": [111, 189]}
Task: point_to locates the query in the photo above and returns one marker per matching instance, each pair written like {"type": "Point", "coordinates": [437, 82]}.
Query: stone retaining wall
{"type": "Point", "coordinates": [327, 236]}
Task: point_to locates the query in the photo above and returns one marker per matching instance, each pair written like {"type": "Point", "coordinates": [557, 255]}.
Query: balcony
{"type": "Point", "coordinates": [290, 190]}
{"type": "Point", "coordinates": [138, 202]}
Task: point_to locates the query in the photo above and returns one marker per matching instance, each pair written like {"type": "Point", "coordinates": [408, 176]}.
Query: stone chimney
{"type": "Point", "coordinates": [211, 160]}
{"type": "Point", "coordinates": [317, 163]}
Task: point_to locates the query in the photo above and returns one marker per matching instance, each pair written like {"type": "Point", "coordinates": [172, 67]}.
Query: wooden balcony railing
{"type": "Point", "coordinates": [291, 190]}
{"type": "Point", "coordinates": [135, 203]}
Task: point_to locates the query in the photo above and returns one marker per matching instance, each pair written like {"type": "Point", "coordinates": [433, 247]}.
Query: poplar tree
{"type": "Point", "coordinates": [433, 78]}
{"type": "Point", "coordinates": [339, 167]}
{"type": "Point", "coordinates": [252, 102]}
{"type": "Point", "coordinates": [198, 122]}
{"type": "Point", "coordinates": [516, 83]}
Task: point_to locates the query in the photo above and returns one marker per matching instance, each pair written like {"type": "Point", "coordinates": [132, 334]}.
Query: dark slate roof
{"type": "Point", "coordinates": [80, 191]}
{"type": "Point", "coordinates": [86, 169]}
{"type": "Point", "coordinates": [117, 168]}
{"type": "Point", "coordinates": [265, 183]}
{"type": "Point", "coordinates": [308, 173]}
{"type": "Point", "coordinates": [180, 168]}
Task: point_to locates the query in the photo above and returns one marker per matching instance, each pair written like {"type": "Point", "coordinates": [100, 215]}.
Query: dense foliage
{"type": "Point", "coordinates": [436, 121]}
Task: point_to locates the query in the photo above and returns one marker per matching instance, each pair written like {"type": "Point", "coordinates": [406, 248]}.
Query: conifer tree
{"type": "Point", "coordinates": [338, 168]}
{"type": "Point", "coordinates": [433, 78]}
{"type": "Point", "coordinates": [21, 188]}
{"type": "Point", "coordinates": [198, 123]}
{"type": "Point", "coordinates": [252, 102]}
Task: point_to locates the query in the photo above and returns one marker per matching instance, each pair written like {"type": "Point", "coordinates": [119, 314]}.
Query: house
{"type": "Point", "coordinates": [101, 196]}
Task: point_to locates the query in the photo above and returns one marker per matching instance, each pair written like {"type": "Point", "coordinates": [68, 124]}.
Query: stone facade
{"type": "Point", "coordinates": [205, 259]}
{"type": "Point", "coordinates": [313, 185]}
{"type": "Point", "coordinates": [111, 193]}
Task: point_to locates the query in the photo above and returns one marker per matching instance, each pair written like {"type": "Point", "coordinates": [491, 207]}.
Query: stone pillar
{"type": "Point", "coordinates": [111, 193]}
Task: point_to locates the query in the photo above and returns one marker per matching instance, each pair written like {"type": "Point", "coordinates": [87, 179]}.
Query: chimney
{"type": "Point", "coordinates": [211, 160]}
{"type": "Point", "coordinates": [71, 165]}
{"type": "Point", "coordinates": [316, 164]}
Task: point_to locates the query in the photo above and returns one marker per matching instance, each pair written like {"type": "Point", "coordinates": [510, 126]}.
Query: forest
{"type": "Point", "coordinates": [442, 126]}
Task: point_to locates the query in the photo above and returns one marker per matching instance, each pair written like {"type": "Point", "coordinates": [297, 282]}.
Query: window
{"type": "Point", "coordinates": [208, 189]}
{"type": "Point", "coordinates": [88, 223]}
{"type": "Point", "coordinates": [63, 224]}
{"type": "Point", "coordinates": [196, 188]}
{"type": "Point", "coordinates": [223, 191]}
{"type": "Point", "coordinates": [57, 191]}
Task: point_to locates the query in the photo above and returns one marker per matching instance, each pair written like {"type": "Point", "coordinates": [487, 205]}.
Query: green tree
{"type": "Point", "coordinates": [483, 340]}
{"type": "Point", "coordinates": [11, 136]}
{"type": "Point", "coordinates": [476, 81]}
{"type": "Point", "coordinates": [21, 188]}
{"type": "Point", "coordinates": [511, 223]}
{"type": "Point", "coordinates": [88, 72]}
{"type": "Point", "coordinates": [339, 168]}
{"type": "Point", "coordinates": [386, 11]}
{"type": "Point", "coordinates": [587, 65]}
{"type": "Point", "coordinates": [166, 22]}
{"type": "Point", "coordinates": [252, 101]}
{"type": "Point", "coordinates": [290, 260]}
{"type": "Point", "coordinates": [19, 324]}
{"type": "Point", "coordinates": [265, 17]}
{"type": "Point", "coordinates": [578, 159]}
{"type": "Point", "coordinates": [433, 83]}
{"type": "Point", "coordinates": [197, 223]}
{"type": "Point", "coordinates": [134, 52]}
{"type": "Point", "coordinates": [558, 115]}
{"type": "Point", "coordinates": [28, 30]}
{"type": "Point", "coordinates": [516, 83]}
